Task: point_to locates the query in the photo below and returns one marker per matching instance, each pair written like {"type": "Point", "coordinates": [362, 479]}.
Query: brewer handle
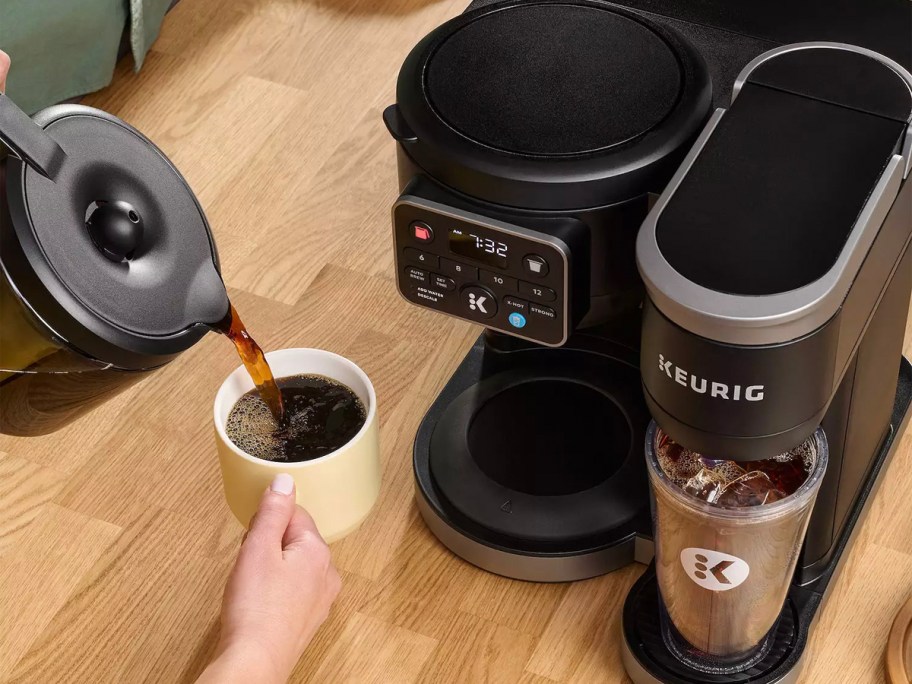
{"type": "Point", "coordinates": [28, 141]}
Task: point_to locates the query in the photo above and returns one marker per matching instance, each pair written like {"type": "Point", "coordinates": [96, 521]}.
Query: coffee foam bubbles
{"type": "Point", "coordinates": [253, 429]}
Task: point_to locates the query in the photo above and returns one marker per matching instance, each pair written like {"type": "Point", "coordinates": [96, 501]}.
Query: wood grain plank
{"type": "Point", "coordinates": [475, 650]}
{"type": "Point", "coordinates": [371, 650]}
{"type": "Point", "coordinates": [142, 593]}
{"type": "Point", "coordinates": [39, 575]}
{"type": "Point", "coordinates": [581, 640]}
{"type": "Point", "coordinates": [25, 488]}
{"type": "Point", "coordinates": [525, 607]}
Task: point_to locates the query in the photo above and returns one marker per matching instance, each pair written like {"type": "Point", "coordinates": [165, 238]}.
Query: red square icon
{"type": "Point", "coordinates": [423, 233]}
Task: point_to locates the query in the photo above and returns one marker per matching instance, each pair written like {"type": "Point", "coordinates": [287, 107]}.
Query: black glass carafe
{"type": "Point", "coordinates": [108, 269]}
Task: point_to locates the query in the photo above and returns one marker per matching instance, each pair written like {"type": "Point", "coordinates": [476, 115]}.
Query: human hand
{"type": "Point", "coordinates": [278, 594]}
{"type": "Point", "coordinates": [4, 69]}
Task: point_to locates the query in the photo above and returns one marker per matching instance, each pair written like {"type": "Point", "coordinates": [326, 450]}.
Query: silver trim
{"type": "Point", "coordinates": [643, 550]}
{"type": "Point", "coordinates": [520, 566]}
{"type": "Point", "coordinates": [640, 675]}
{"type": "Point", "coordinates": [509, 229]}
{"type": "Point", "coordinates": [883, 59]}
{"type": "Point", "coordinates": [770, 319]}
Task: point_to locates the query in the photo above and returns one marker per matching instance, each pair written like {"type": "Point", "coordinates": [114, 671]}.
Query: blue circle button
{"type": "Point", "coordinates": [517, 320]}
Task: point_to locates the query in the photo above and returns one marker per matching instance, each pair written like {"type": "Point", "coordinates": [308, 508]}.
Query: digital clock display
{"type": "Point", "coordinates": [474, 244]}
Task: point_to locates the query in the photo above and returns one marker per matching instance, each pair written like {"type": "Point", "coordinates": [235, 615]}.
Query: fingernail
{"type": "Point", "coordinates": [282, 484]}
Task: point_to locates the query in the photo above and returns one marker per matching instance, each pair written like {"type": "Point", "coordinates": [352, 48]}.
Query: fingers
{"type": "Point", "coordinates": [301, 529]}
{"type": "Point", "coordinates": [277, 507]}
{"type": "Point", "coordinates": [4, 69]}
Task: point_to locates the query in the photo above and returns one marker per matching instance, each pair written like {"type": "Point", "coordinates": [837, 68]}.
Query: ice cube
{"type": "Point", "coordinates": [707, 485]}
{"type": "Point", "coordinates": [754, 488]}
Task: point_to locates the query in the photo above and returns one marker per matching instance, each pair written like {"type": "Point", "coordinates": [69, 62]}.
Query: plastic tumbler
{"type": "Point", "coordinates": [724, 572]}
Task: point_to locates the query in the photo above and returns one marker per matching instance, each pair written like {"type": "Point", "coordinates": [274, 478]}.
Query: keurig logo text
{"type": "Point", "coordinates": [714, 570]}
{"type": "Point", "coordinates": [716, 390]}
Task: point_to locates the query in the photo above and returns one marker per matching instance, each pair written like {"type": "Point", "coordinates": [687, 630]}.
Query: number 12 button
{"type": "Point", "coordinates": [538, 292]}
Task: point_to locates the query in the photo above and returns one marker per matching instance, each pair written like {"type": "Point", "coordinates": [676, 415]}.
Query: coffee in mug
{"type": "Point", "coordinates": [321, 415]}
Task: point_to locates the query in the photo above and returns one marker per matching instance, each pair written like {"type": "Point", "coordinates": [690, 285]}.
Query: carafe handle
{"type": "Point", "coordinates": [28, 141]}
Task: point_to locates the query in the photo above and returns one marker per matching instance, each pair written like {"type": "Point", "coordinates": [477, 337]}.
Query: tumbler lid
{"type": "Point", "coordinates": [553, 105]}
{"type": "Point", "coordinates": [112, 251]}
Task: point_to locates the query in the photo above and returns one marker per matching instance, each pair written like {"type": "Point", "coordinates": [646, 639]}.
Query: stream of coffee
{"type": "Point", "coordinates": [255, 361]}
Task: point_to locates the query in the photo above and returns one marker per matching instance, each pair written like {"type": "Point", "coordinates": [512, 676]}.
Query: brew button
{"type": "Point", "coordinates": [539, 292]}
{"type": "Point", "coordinates": [517, 320]}
{"type": "Point", "coordinates": [535, 265]}
{"type": "Point", "coordinates": [460, 270]}
{"type": "Point", "coordinates": [479, 302]}
{"type": "Point", "coordinates": [545, 311]}
{"type": "Point", "coordinates": [416, 275]}
{"type": "Point", "coordinates": [497, 280]}
{"type": "Point", "coordinates": [420, 258]}
{"type": "Point", "coordinates": [443, 282]}
{"type": "Point", "coordinates": [422, 232]}
{"type": "Point", "coordinates": [515, 304]}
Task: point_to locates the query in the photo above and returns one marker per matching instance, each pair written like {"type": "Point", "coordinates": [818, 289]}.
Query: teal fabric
{"type": "Point", "coordinates": [62, 49]}
{"type": "Point", "coordinates": [145, 21]}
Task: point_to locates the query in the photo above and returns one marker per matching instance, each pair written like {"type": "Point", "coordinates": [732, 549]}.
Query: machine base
{"type": "Point", "coordinates": [532, 534]}
{"type": "Point", "coordinates": [647, 659]}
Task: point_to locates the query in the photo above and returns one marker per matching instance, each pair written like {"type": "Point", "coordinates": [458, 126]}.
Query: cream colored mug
{"type": "Point", "coordinates": [338, 489]}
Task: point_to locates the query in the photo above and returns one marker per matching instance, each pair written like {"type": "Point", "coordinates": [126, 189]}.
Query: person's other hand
{"type": "Point", "coordinates": [278, 594]}
{"type": "Point", "coordinates": [4, 69]}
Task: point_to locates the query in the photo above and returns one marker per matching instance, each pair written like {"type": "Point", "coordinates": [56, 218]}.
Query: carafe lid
{"type": "Point", "coordinates": [109, 248]}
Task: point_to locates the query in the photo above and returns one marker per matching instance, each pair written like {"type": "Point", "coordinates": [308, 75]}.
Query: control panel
{"type": "Point", "coordinates": [508, 278]}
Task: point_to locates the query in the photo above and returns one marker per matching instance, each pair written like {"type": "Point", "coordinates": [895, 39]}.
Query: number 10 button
{"type": "Point", "coordinates": [497, 280]}
{"type": "Point", "coordinates": [537, 292]}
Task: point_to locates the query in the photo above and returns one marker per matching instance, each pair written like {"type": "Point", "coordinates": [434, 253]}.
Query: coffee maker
{"type": "Point", "coordinates": [654, 209]}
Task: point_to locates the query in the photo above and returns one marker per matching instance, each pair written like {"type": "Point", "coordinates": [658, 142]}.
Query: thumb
{"type": "Point", "coordinates": [4, 69]}
{"type": "Point", "coordinates": [277, 507]}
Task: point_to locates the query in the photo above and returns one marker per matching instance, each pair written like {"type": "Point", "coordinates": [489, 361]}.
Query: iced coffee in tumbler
{"type": "Point", "coordinates": [727, 538]}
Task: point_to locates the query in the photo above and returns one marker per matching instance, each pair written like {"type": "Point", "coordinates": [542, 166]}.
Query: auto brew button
{"type": "Point", "coordinates": [416, 275]}
{"type": "Point", "coordinates": [544, 311]}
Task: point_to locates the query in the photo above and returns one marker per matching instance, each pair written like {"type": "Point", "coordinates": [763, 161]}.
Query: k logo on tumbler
{"type": "Point", "coordinates": [714, 570]}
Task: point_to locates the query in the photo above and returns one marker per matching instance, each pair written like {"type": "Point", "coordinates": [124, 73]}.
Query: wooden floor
{"type": "Point", "coordinates": [115, 540]}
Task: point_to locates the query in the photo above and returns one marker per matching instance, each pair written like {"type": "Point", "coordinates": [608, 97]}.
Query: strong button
{"type": "Point", "coordinates": [479, 303]}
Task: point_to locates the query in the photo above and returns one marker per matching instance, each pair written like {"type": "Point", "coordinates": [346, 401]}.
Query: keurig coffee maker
{"type": "Point", "coordinates": [533, 140]}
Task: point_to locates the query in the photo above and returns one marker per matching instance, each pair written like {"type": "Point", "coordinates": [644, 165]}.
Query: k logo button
{"type": "Point", "coordinates": [714, 570]}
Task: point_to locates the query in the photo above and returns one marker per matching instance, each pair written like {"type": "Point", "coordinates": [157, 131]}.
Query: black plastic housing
{"type": "Point", "coordinates": [767, 256]}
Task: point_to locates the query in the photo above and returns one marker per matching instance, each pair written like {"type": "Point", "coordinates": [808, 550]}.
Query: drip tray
{"type": "Point", "coordinates": [536, 472]}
